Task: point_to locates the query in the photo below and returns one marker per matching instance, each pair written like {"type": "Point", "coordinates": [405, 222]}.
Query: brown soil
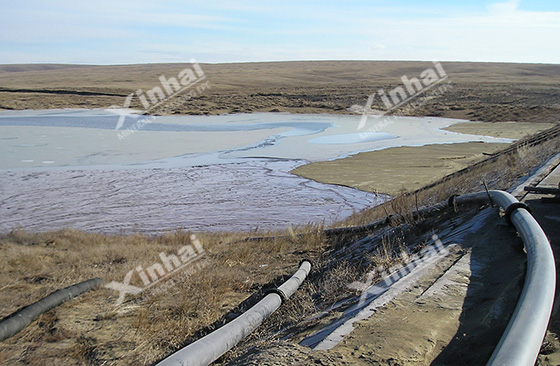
{"type": "Point", "coordinates": [548, 216]}
{"type": "Point", "coordinates": [509, 130]}
{"type": "Point", "coordinates": [393, 170]}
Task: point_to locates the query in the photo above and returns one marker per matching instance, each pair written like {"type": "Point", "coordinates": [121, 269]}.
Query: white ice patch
{"type": "Point", "coordinates": [353, 138]}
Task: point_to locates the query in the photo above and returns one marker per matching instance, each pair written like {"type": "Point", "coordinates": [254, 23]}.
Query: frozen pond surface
{"type": "Point", "coordinates": [70, 169]}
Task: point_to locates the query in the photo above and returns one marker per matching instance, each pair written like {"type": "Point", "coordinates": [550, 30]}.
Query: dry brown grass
{"type": "Point", "coordinates": [392, 250]}
{"type": "Point", "coordinates": [481, 91]}
{"type": "Point", "coordinates": [90, 329]}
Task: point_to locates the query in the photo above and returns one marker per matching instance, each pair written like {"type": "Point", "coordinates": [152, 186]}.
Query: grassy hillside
{"type": "Point", "coordinates": [480, 91]}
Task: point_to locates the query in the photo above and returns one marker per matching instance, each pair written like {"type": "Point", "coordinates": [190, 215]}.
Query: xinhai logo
{"type": "Point", "coordinates": [169, 88]}
{"type": "Point", "coordinates": [411, 88]}
{"type": "Point", "coordinates": [168, 265]}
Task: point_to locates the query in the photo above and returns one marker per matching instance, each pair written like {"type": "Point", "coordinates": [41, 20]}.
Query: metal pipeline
{"type": "Point", "coordinates": [519, 345]}
{"type": "Point", "coordinates": [15, 322]}
{"type": "Point", "coordinates": [211, 347]}
{"type": "Point", "coordinates": [521, 342]}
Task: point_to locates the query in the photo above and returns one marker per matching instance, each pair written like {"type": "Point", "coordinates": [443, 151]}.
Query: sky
{"type": "Point", "coordinates": [139, 31]}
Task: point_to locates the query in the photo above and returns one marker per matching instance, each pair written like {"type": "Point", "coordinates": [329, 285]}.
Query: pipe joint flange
{"type": "Point", "coordinates": [452, 201]}
{"type": "Point", "coordinates": [303, 261]}
{"type": "Point", "coordinates": [389, 220]}
{"type": "Point", "coordinates": [279, 293]}
{"type": "Point", "coordinates": [511, 208]}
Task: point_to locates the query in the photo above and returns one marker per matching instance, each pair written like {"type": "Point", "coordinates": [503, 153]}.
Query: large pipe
{"type": "Point", "coordinates": [211, 347]}
{"type": "Point", "coordinates": [23, 317]}
{"type": "Point", "coordinates": [521, 342]}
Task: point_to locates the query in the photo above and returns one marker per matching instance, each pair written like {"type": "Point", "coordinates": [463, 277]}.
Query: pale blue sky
{"type": "Point", "coordinates": [138, 31]}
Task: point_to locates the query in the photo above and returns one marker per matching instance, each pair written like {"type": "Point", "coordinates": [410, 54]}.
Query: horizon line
{"type": "Point", "coordinates": [275, 61]}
